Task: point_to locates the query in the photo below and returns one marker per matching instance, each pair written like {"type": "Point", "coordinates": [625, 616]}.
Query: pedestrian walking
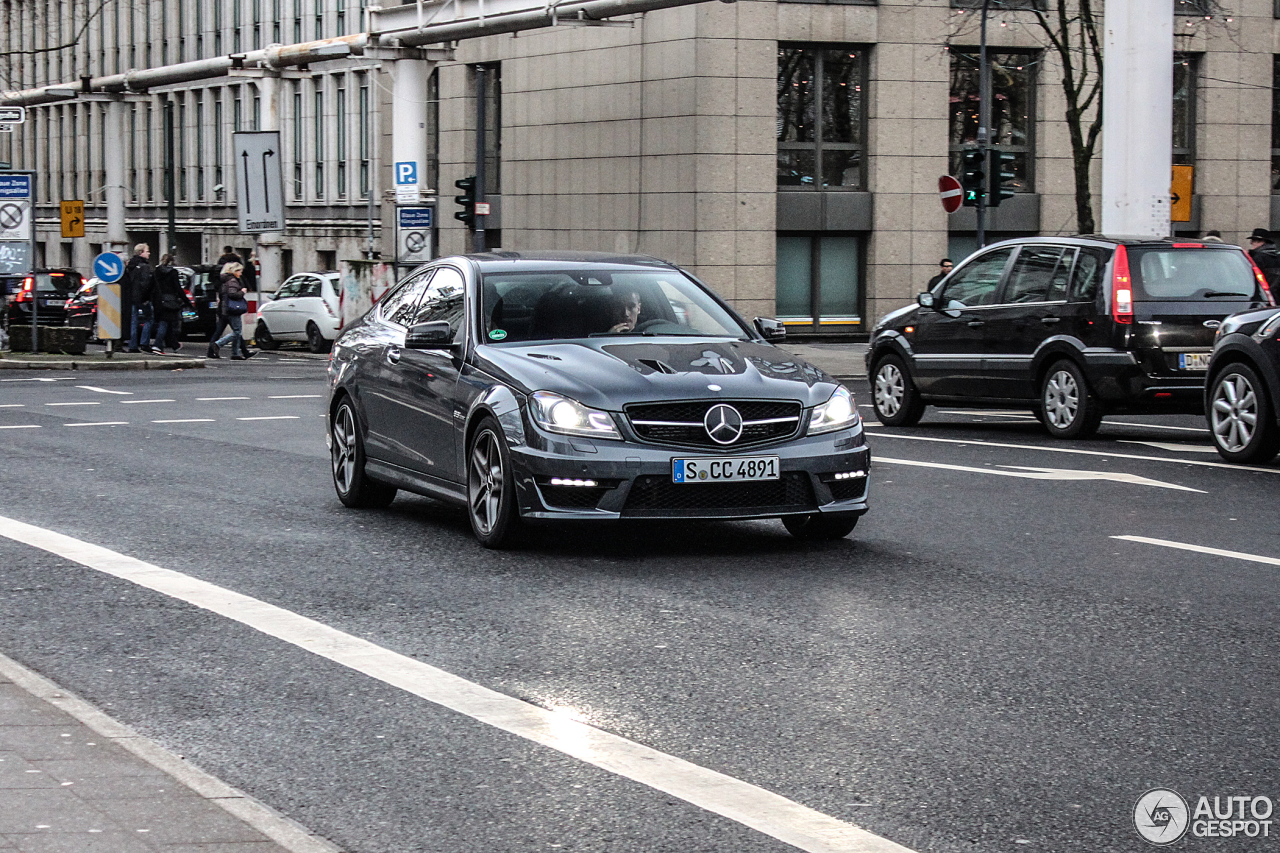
{"type": "Point", "coordinates": [944, 267]}
{"type": "Point", "coordinates": [1262, 249]}
{"type": "Point", "coordinates": [139, 279]}
{"type": "Point", "coordinates": [232, 305]}
{"type": "Point", "coordinates": [168, 300]}
{"type": "Point", "coordinates": [1212, 237]}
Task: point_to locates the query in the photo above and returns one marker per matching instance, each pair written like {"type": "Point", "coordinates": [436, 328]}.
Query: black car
{"type": "Point", "coordinates": [587, 387]}
{"type": "Point", "coordinates": [45, 290]}
{"type": "Point", "coordinates": [1072, 327]}
{"type": "Point", "coordinates": [1243, 391]}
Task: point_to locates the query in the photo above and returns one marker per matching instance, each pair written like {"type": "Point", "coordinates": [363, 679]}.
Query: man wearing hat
{"type": "Point", "coordinates": [1264, 253]}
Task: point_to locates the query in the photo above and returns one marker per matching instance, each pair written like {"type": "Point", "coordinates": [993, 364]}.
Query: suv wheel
{"type": "Point", "coordinates": [894, 396]}
{"type": "Point", "coordinates": [1241, 418]}
{"type": "Point", "coordinates": [1067, 407]}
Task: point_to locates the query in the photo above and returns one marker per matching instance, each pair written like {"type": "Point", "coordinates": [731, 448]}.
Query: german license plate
{"type": "Point", "coordinates": [724, 469]}
{"type": "Point", "coordinates": [53, 303]}
{"type": "Point", "coordinates": [1193, 360]}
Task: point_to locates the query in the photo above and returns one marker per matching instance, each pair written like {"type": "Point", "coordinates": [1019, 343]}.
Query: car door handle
{"type": "Point", "coordinates": [393, 355]}
{"type": "Point", "coordinates": [973, 324]}
{"type": "Point", "coordinates": [1049, 321]}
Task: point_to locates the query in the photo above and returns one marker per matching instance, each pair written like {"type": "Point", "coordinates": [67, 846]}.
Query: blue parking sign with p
{"type": "Point", "coordinates": [407, 173]}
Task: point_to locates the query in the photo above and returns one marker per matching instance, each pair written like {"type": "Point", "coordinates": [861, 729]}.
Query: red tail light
{"type": "Point", "coordinates": [1121, 288]}
{"type": "Point", "coordinates": [1262, 280]}
{"type": "Point", "coordinates": [26, 294]}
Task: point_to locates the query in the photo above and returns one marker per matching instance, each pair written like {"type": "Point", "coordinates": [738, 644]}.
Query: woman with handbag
{"type": "Point", "coordinates": [231, 306]}
{"type": "Point", "coordinates": [168, 300]}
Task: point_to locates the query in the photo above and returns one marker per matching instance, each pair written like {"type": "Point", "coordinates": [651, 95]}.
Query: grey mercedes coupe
{"type": "Point", "coordinates": [572, 386]}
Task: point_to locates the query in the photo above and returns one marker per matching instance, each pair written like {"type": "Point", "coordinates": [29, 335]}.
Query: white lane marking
{"type": "Point", "coordinates": [100, 423]}
{"type": "Point", "coordinates": [13, 405]}
{"type": "Point", "coordinates": [295, 397]}
{"type": "Point", "coordinates": [272, 418]}
{"type": "Point", "coordinates": [29, 380]}
{"type": "Point", "coordinates": [202, 399]}
{"type": "Point", "coordinates": [22, 426]}
{"type": "Point", "coordinates": [1044, 473]}
{"type": "Point", "coordinates": [130, 402]}
{"type": "Point", "coordinates": [749, 805]}
{"type": "Point", "coordinates": [1201, 549]}
{"type": "Point", "coordinates": [104, 390]}
{"type": "Point", "coordinates": [1170, 445]}
{"type": "Point", "coordinates": [187, 421]}
{"type": "Point", "coordinates": [91, 403]}
{"type": "Point", "coordinates": [873, 430]}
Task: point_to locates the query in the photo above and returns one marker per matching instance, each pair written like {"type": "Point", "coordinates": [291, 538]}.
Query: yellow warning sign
{"type": "Point", "coordinates": [1180, 194]}
{"type": "Point", "coordinates": [72, 218]}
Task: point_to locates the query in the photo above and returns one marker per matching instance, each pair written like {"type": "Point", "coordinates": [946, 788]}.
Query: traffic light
{"type": "Point", "coordinates": [1000, 168]}
{"type": "Point", "coordinates": [972, 176]}
{"type": "Point", "coordinates": [467, 200]}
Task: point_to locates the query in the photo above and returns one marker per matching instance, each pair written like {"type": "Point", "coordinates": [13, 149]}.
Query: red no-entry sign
{"type": "Point", "coordinates": [951, 192]}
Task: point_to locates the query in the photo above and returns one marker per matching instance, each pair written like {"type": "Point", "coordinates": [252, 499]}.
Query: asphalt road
{"type": "Point", "coordinates": [982, 666]}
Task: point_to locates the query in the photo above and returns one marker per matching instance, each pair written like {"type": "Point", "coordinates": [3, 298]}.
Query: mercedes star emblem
{"type": "Point", "coordinates": [723, 424]}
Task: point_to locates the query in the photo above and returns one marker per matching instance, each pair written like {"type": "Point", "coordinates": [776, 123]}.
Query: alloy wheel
{"type": "Point", "coordinates": [1061, 399]}
{"type": "Point", "coordinates": [485, 482]}
{"type": "Point", "coordinates": [1234, 413]}
{"type": "Point", "coordinates": [890, 390]}
{"type": "Point", "coordinates": [344, 449]}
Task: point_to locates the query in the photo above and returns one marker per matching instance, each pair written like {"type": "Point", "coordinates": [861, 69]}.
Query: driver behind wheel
{"type": "Point", "coordinates": [625, 310]}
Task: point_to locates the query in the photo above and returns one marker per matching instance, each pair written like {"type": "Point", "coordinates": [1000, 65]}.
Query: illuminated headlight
{"type": "Point", "coordinates": [555, 413]}
{"type": "Point", "coordinates": [839, 412]}
{"type": "Point", "coordinates": [1270, 327]}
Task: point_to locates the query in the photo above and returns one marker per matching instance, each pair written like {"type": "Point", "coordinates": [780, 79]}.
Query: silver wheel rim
{"type": "Point", "coordinates": [1234, 415]}
{"type": "Point", "coordinates": [1061, 399]}
{"type": "Point", "coordinates": [485, 483]}
{"type": "Point", "coordinates": [344, 449]}
{"type": "Point", "coordinates": [890, 390]}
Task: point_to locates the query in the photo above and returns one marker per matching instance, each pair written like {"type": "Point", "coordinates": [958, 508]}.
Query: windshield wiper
{"type": "Point", "coordinates": [1212, 293]}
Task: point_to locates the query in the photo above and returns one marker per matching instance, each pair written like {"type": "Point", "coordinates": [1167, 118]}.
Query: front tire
{"type": "Point", "coordinates": [263, 338]}
{"type": "Point", "coordinates": [1067, 407]}
{"type": "Point", "coordinates": [819, 526]}
{"type": "Point", "coordinates": [491, 493]}
{"type": "Point", "coordinates": [1241, 419]}
{"type": "Point", "coordinates": [315, 341]}
{"type": "Point", "coordinates": [894, 396]}
{"type": "Point", "coordinates": [354, 487]}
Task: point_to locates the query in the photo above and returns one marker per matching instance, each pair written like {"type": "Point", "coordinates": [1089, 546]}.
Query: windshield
{"type": "Point", "coordinates": [1191, 274]}
{"type": "Point", "coordinates": [547, 306]}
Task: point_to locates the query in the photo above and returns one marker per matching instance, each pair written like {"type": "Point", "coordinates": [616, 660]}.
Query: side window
{"type": "Point", "coordinates": [445, 300]}
{"type": "Point", "coordinates": [310, 286]}
{"type": "Point", "coordinates": [977, 282]}
{"type": "Point", "coordinates": [289, 289]}
{"type": "Point", "coordinates": [1038, 275]}
{"type": "Point", "coordinates": [396, 306]}
{"type": "Point", "coordinates": [1086, 275]}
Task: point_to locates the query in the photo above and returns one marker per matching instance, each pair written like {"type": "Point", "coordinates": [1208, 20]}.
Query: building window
{"type": "Point", "coordinates": [297, 143]}
{"type": "Point", "coordinates": [297, 21]}
{"type": "Point", "coordinates": [133, 153]}
{"type": "Point", "coordinates": [340, 14]}
{"type": "Point", "coordinates": [275, 21]}
{"type": "Point", "coordinates": [147, 159]}
{"type": "Point", "coordinates": [219, 149]}
{"type": "Point", "coordinates": [180, 167]}
{"type": "Point", "coordinates": [199, 146]}
{"type": "Point", "coordinates": [821, 117]}
{"type": "Point", "coordinates": [433, 129]}
{"type": "Point", "coordinates": [235, 25]}
{"type": "Point", "coordinates": [199, 13]}
{"type": "Point", "coordinates": [217, 27]}
{"type": "Point", "coordinates": [363, 136]}
{"type": "Point", "coordinates": [319, 21]}
{"type": "Point", "coordinates": [1275, 124]}
{"type": "Point", "coordinates": [830, 296]}
{"type": "Point", "coordinates": [1185, 66]}
{"type": "Point", "coordinates": [1012, 109]}
{"type": "Point", "coordinates": [340, 142]}
{"type": "Point", "coordinates": [319, 141]}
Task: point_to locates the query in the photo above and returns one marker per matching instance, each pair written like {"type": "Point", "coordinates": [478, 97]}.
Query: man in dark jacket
{"type": "Point", "coordinates": [1262, 249]}
{"type": "Point", "coordinates": [944, 267]}
{"type": "Point", "coordinates": [168, 300]}
{"type": "Point", "coordinates": [139, 279]}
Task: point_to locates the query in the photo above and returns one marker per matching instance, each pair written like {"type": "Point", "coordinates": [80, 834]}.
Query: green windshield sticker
{"type": "Point", "coordinates": [497, 335]}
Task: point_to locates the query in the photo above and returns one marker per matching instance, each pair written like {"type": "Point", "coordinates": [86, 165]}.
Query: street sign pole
{"type": "Point", "coordinates": [984, 121]}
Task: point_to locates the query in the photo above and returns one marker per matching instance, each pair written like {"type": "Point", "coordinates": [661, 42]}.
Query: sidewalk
{"type": "Point", "coordinates": [843, 361]}
{"type": "Point", "coordinates": [96, 359]}
{"type": "Point", "coordinates": [72, 780]}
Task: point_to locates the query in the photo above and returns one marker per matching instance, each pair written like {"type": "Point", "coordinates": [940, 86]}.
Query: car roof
{"type": "Point", "coordinates": [504, 261]}
{"type": "Point", "coordinates": [1111, 241]}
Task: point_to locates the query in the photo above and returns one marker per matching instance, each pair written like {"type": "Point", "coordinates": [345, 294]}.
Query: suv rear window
{"type": "Point", "coordinates": [1191, 274]}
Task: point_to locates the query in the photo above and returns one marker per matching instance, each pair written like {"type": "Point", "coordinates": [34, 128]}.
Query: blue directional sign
{"type": "Point", "coordinates": [415, 217]}
{"type": "Point", "coordinates": [407, 173]}
{"type": "Point", "coordinates": [108, 267]}
{"type": "Point", "coordinates": [15, 186]}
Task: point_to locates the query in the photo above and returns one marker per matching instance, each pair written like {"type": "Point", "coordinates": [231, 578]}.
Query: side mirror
{"type": "Point", "coordinates": [771, 330]}
{"type": "Point", "coordinates": [927, 300]}
{"type": "Point", "coordinates": [433, 335]}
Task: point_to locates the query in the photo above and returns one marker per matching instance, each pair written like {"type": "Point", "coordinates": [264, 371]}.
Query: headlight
{"type": "Point", "coordinates": [556, 413]}
{"type": "Point", "coordinates": [839, 412]}
{"type": "Point", "coordinates": [1270, 327]}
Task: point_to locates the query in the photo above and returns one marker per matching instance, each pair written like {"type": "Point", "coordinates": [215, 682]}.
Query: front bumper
{"type": "Point", "coordinates": [634, 480]}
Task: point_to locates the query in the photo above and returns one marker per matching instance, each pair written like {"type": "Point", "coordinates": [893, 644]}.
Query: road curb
{"type": "Point", "coordinates": [131, 364]}
{"type": "Point", "coordinates": [289, 834]}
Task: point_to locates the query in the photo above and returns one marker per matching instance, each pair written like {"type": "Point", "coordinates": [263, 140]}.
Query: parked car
{"type": "Point", "coordinates": [1242, 396]}
{"type": "Point", "coordinates": [305, 308]}
{"type": "Point", "coordinates": [508, 384]}
{"type": "Point", "coordinates": [50, 286]}
{"type": "Point", "coordinates": [82, 306]}
{"type": "Point", "coordinates": [1073, 328]}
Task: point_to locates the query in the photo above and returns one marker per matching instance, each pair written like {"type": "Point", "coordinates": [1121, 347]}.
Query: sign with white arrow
{"type": "Point", "coordinates": [259, 184]}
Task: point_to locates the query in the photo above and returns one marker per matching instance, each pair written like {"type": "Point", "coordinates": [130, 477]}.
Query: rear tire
{"type": "Point", "coordinates": [315, 341]}
{"type": "Point", "coordinates": [262, 337]}
{"type": "Point", "coordinates": [820, 526]}
{"type": "Point", "coordinates": [1242, 421]}
{"type": "Point", "coordinates": [1067, 407]}
{"type": "Point", "coordinates": [491, 487]}
{"type": "Point", "coordinates": [893, 395]}
{"type": "Point", "coordinates": [354, 487]}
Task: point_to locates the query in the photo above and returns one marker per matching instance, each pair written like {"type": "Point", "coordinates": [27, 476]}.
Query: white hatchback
{"type": "Point", "coordinates": [305, 308]}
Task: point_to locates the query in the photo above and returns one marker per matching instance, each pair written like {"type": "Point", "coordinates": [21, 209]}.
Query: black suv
{"type": "Point", "coordinates": [1072, 327]}
{"type": "Point", "coordinates": [52, 287]}
{"type": "Point", "coordinates": [1243, 393]}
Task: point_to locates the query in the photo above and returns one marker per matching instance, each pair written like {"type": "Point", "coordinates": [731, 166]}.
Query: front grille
{"type": "Point", "coordinates": [657, 496]}
{"type": "Point", "coordinates": [681, 423]}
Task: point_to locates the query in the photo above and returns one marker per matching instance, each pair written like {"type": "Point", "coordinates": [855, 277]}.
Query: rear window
{"type": "Point", "coordinates": [56, 283]}
{"type": "Point", "coordinates": [1191, 274]}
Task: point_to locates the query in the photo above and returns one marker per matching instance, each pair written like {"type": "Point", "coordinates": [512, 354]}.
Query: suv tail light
{"type": "Point", "coordinates": [1262, 280]}
{"type": "Point", "coordinates": [1121, 288]}
{"type": "Point", "coordinates": [28, 290]}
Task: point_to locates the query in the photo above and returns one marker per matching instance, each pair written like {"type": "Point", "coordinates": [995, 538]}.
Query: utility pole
{"type": "Point", "coordinates": [480, 150]}
{"type": "Point", "coordinates": [984, 124]}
